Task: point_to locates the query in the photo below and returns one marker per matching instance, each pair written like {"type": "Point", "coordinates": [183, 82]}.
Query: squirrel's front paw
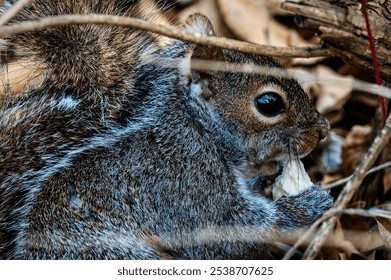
{"type": "Point", "coordinates": [304, 208]}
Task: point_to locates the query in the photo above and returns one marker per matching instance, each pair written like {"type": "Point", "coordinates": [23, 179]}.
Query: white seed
{"type": "Point", "coordinates": [292, 181]}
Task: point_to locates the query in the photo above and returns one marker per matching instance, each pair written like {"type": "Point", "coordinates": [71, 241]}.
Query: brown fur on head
{"type": "Point", "coordinates": [291, 130]}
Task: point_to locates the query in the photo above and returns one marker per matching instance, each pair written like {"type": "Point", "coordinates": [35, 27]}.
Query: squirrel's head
{"type": "Point", "coordinates": [257, 104]}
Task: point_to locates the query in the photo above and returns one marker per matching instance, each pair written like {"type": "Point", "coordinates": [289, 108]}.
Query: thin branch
{"type": "Point", "coordinates": [345, 180]}
{"type": "Point", "coordinates": [351, 187]}
{"type": "Point", "coordinates": [372, 213]}
{"type": "Point", "coordinates": [36, 25]}
{"type": "Point", "coordinates": [13, 11]}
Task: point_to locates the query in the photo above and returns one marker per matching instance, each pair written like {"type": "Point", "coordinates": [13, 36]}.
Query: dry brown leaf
{"type": "Point", "coordinates": [364, 241]}
{"type": "Point", "coordinates": [361, 232]}
{"type": "Point", "coordinates": [347, 249]}
{"type": "Point", "coordinates": [354, 147]}
{"type": "Point", "coordinates": [253, 23]}
{"type": "Point", "coordinates": [384, 226]}
{"type": "Point", "coordinates": [330, 251]}
{"type": "Point", "coordinates": [344, 247]}
{"type": "Point", "coordinates": [335, 89]}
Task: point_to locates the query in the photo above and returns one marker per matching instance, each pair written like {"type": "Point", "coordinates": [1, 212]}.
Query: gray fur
{"type": "Point", "coordinates": [112, 156]}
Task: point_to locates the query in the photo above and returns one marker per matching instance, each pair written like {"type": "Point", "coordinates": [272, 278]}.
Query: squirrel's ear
{"type": "Point", "coordinates": [199, 55]}
{"type": "Point", "coordinates": [199, 24]}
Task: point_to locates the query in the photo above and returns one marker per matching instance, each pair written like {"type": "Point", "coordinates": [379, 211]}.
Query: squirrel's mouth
{"type": "Point", "coordinates": [263, 184]}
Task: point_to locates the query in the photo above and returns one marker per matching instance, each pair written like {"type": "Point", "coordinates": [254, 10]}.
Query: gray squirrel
{"type": "Point", "coordinates": [106, 154]}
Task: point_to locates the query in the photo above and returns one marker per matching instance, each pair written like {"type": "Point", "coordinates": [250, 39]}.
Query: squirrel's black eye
{"type": "Point", "coordinates": [270, 104]}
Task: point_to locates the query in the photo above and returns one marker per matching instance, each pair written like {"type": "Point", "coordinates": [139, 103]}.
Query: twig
{"type": "Point", "coordinates": [13, 11]}
{"type": "Point", "coordinates": [345, 180]}
{"type": "Point", "coordinates": [373, 212]}
{"type": "Point", "coordinates": [289, 52]}
{"type": "Point", "coordinates": [351, 187]}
